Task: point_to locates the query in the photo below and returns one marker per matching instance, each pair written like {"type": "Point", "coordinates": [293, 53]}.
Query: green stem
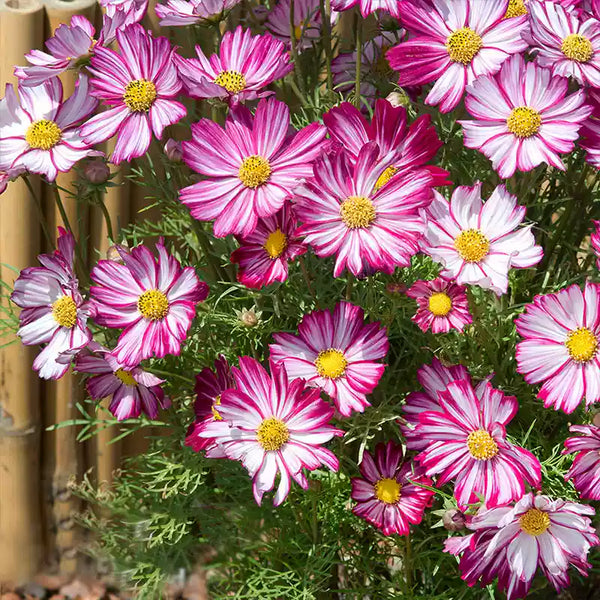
{"type": "Point", "coordinates": [40, 211]}
{"type": "Point", "coordinates": [325, 8]}
{"type": "Point", "coordinates": [109, 229]}
{"type": "Point", "coordinates": [307, 280]}
{"type": "Point", "coordinates": [349, 286]}
{"type": "Point", "coordinates": [204, 243]}
{"type": "Point", "coordinates": [358, 59]}
{"type": "Point", "coordinates": [169, 374]}
{"type": "Point", "coordinates": [294, 53]}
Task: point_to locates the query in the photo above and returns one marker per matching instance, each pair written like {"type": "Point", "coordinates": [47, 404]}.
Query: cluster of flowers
{"type": "Point", "coordinates": [361, 191]}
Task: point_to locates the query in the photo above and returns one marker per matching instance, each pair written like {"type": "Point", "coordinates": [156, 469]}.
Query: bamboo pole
{"type": "Point", "coordinates": [21, 539]}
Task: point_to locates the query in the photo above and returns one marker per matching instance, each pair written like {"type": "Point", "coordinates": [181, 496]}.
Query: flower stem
{"type": "Point", "coordinates": [306, 276]}
{"type": "Point", "coordinates": [294, 53]}
{"type": "Point", "coordinates": [40, 210]}
{"type": "Point", "coordinates": [109, 229]}
{"type": "Point", "coordinates": [358, 59]}
{"type": "Point", "coordinates": [325, 9]}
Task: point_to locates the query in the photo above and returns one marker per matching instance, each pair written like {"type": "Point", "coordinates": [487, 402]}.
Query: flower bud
{"type": "Point", "coordinates": [113, 253]}
{"type": "Point", "coordinates": [248, 318]}
{"type": "Point", "coordinates": [96, 171]}
{"type": "Point", "coordinates": [173, 150]}
{"type": "Point", "coordinates": [454, 520]}
{"type": "Point", "coordinates": [398, 99]}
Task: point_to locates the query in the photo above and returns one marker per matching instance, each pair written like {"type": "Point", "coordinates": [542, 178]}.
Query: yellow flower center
{"type": "Point", "coordinates": [516, 8]}
{"type": "Point", "coordinates": [524, 121]}
{"type": "Point", "coordinates": [139, 95]}
{"type": "Point", "coordinates": [215, 413]}
{"type": "Point", "coordinates": [577, 47]}
{"type": "Point", "coordinates": [440, 304]}
{"type": "Point", "coordinates": [387, 490]}
{"type": "Point", "coordinates": [64, 311]}
{"type": "Point", "coordinates": [233, 81]}
{"type": "Point", "coordinates": [481, 445]}
{"type": "Point", "coordinates": [125, 377]}
{"type": "Point", "coordinates": [385, 177]}
{"type": "Point", "coordinates": [357, 212]}
{"type": "Point", "coordinates": [534, 522]}
{"type": "Point", "coordinates": [331, 363]}
{"type": "Point", "coordinates": [254, 171]}
{"type": "Point", "coordinates": [153, 305]}
{"type": "Point", "coordinates": [43, 135]}
{"type": "Point", "coordinates": [272, 434]}
{"type": "Point", "coordinates": [472, 245]}
{"type": "Point", "coordinates": [463, 45]}
{"type": "Point", "coordinates": [582, 344]}
{"type": "Point", "coordinates": [276, 244]}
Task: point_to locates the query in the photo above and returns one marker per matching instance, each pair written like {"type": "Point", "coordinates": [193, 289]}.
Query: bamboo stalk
{"type": "Point", "coordinates": [21, 538]}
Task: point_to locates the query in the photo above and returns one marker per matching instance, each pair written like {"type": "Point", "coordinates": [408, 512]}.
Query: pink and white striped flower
{"type": "Point", "coordinates": [512, 542]}
{"type": "Point", "coordinates": [467, 444]}
{"type": "Point", "coordinates": [133, 390]}
{"type": "Point", "coordinates": [137, 8]}
{"type": "Point", "coordinates": [442, 305]}
{"type": "Point", "coordinates": [590, 131]}
{"type": "Point", "coordinates": [561, 340]}
{"type": "Point", "coordinates": [140, 85]}
{"type": "Point", "coordinates": [595, 239]}
{"type": "Point", "coordinates": [336, 352]}
{"type": "Point", "coordinates": [251, 167]}
{"type": "Point", "coordinates": [520, 126]}
{"type": "Point", "coordinates": [479, 242]}
{"type": "Point", "coordinates": [245, 65]}
{"type": "Point", "coordinates": [42, 134]}
{"type": "Point", "coordinates": [368, 7]}
{"type": "Point", "coordinates": [585, 470]}
{"type": "Point", "coordinates": [343, 213]}
{"type": "Point", "coordinates": [179, 13]}
{"type": "Point", "coordinates": [54, 312]}
{"type": "Point", "coordinates": [307, 22]}
{"type": "Point", "coordinates": [263, 256]}
{"type": "Point", "coordinates": [564, 42]}
{"type": "Point", "coordinates": [454, 42]}
{"type": "Point", "coordinates": [388, 494]}
{"type": "Point", "coordinates": [153, 300]}
{"type": "Point", "coordinates": [209, 425]}
{"type": "Point", "coordinates": [276, 427]}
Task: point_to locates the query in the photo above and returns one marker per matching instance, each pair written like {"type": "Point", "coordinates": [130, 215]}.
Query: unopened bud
{"type": "Point", "coordinates": [96, 171]}
{"type": "Point", "coordinates": [113, 253]}
{"type": "Point", "coordinates": [249, 318]}
{"type": "Point", "coordinates": [173, 150]}
{"type": "Point", "coordinates": [398, 99]}
{"type": "Point", "coordinates": [454, 520]}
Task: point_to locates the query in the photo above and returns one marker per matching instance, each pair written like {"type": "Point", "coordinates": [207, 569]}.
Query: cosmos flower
{"type": "Point", "coordinates": [512, 542]}
{"type": "Point", "coordinates": [388, 495]}
{"type": "Point", "coordinates": [454, 42]}
{"type": "Point", "coordinates": [251, 166]}
{"type": "Point", "coordinates": [133, 390]}
{"type": "Point", "coordinates": [585, 470]}
{"type": "Point", "coordinates": [276, 427]}
{"type": "Point", "coordinates": [590, 130]}
{"type": "Point", "coordinates": [263, 256]}
{"type": "Point", "coordinates": [368, 7]}
{"type": "Point", "coordinates": [442, 305]}
{"type": "Point", "coordinates": [7, 175]}
{"type": "Point", "coordinates": [344, 214]}
{"type": "Point", "coordinates": [479, 242]}
{"type": "Point", "coordinates": [138, 8]}
{"type": "Point", "coordinates": [154, 301]}
{"type": "Point", "coordinates": [467, 445]}
{"type": "Point", "coordinates": [42, 134]}
{"type": "Point", "coordinates": [54, 312]}
{"type": "Point", "coordinates": [178, 13]}
{"type": "Point", "coordinates": [561, 339]}
{"type": "Point", "coordinates": [336, 352]}
{"type": "Point", "coordinates": [567, 44]}
{"type": "Point", "coordinates": [595, 239]}
{"type": "Point", "coordinates": [521, 126]}
{"type": "Point", "coordinates": [140, 85]}
{"type": "Point", "coordinates": [408, 147]}
{"type": "Point", "coordinates": [307, 22]}
{"type": "Point", "coordinates": [209, 424]}
{"type": "Point", "coordinates": [245, 65]}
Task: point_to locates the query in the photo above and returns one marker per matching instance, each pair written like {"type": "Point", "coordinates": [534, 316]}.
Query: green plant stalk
{"type": "Point", "coordinates": [40, 211]}
{"type": "Point", "coordinates": [294, 53]}
{"type": "Point", "coordinates": [107, 219]}
{"type": "Point", "coordinates": [358, 60]}
{"type": "Point", "coordinates": [325, 8]}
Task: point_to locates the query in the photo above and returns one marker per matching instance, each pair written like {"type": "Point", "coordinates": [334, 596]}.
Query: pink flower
{"type": "Point", "coordinates": [388, 494]}
{"type": "Point", "coordinates": [595, 239]}
{"type": "Point", "coordinates": [467, 444]}
{"type": "Point", "coordinates": [409, 148]}
{"type": "Point", "coordinates": [335, 352]}
{"type": "Point", "coordinates": [42, 134]}
{"type": "Point", "coordinates": [344, 213]}
{"type": "Point", "coordinates": [54, 312]}
{"type": "Point", "coordinates": [133, 390]}
{"type": "Point", "coordinates": [561, 339]}
{"type": "Point", "coordinates": [567, 44]}
{"type": "Point", "coordinates": [209, 425]}
{"type": "Point", "coordinates": [479, 242]}
{"type": "Point", "coordinates": [520, 126]}
{"type": "Point", "coordinates": [442, 305]}
{"type": "Point", "coordinates": [585, 470]}
{"type": "Point", "coordinates": [178, 13]}
{"type": "Point", "coordinates": [513, 542]}
{"type": "Point", "coordinates": [7, 175]}
{"type": "Point", "coordinates": [138, 8]}
{"type": "Point", "coordinates": [307, 22]}
{"type": "Point", "coordinates": [244, 66]}
{"type": "Point", "coordinates": [251, 166]}
{"type": "Point", "coordinates": [263, 256]}
{"type": "Point", "coordinates": [140, 84]}
{"type": "Point", "coordinates": [590, 131]}
{"type": "Point", "coordinates": [455, 42]}
{"type": "Point", "coordinates": [367, 7]}
{"type": "Point", "coordinates": [276, 427]}
{"type": "Point", "coordinates": [154, 301]}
